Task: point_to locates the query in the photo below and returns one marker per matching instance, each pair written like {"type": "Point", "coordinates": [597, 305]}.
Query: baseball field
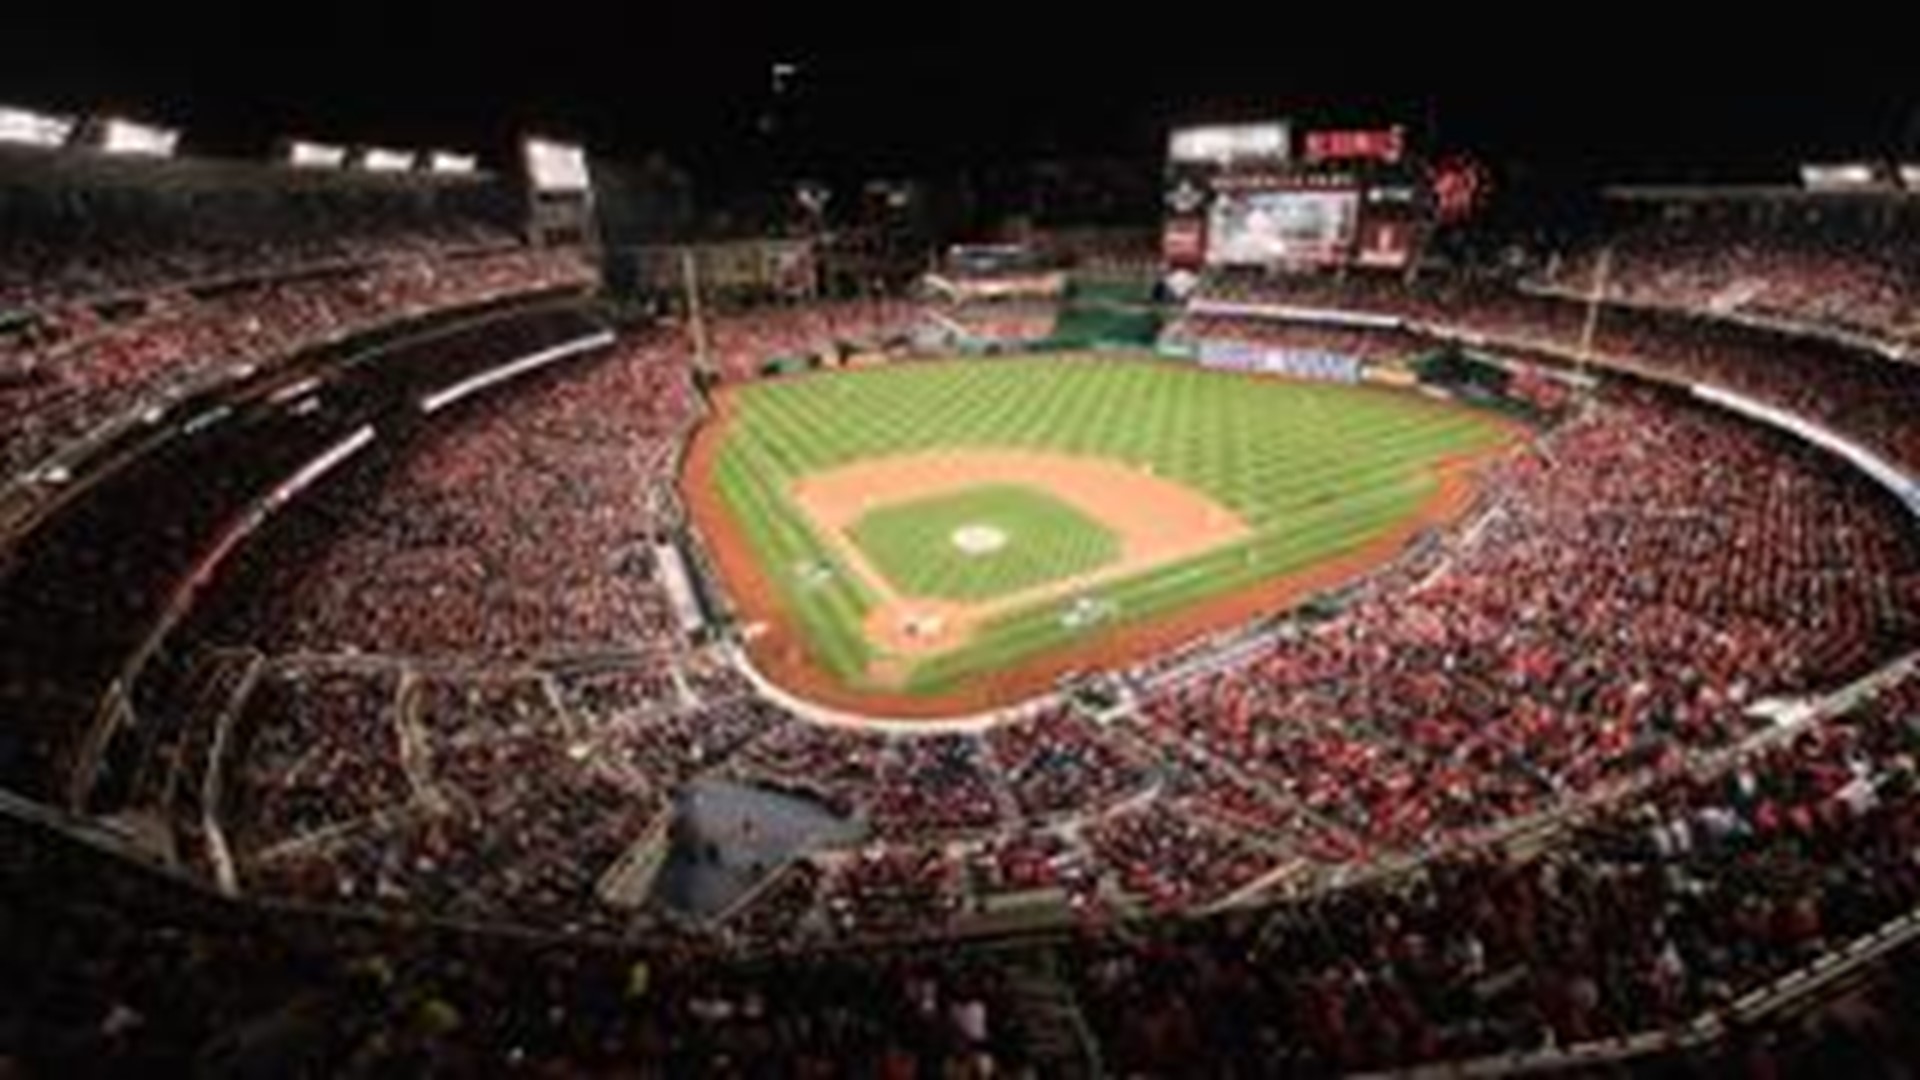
{"type": "Point", "coordinates": [933, 537]}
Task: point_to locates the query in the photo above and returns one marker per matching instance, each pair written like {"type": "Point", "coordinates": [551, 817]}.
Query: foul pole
{"type": "Point", "coordinates": [1596, 295]}
{"type": "Point", "coordinates": [696, 314]}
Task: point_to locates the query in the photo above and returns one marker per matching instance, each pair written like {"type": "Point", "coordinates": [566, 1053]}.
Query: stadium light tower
{"type": "Point", "coordinates": [130, 139]}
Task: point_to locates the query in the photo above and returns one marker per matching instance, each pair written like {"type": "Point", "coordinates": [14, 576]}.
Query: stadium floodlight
{"type": "Point", "coordinates": [1841, 176]}
{"type": "Point", "coordinates": [449, 163]}
{"type": "Point", "coordinates": [383, 160]}
{"type": "Point", "coordinates": [312, 155]}
{"type": "Point", "coordinates": [24, 127]}
{"type": "Point", "coordinates": [556, 166]}
{"type": "Point", "coordinates": [140, 140]}
{"type": "Point", "coordinates": [893, 194]}
{"type": "Point", "coordinates": [813, 196]}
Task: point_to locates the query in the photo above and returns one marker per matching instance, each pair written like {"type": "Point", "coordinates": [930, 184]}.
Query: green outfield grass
{"type": "Point", "coordinates": [1314, 469]}
{"type": "Point", "coordinates": [918, 545]}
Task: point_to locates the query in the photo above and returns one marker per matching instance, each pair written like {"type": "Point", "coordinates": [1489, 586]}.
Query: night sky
{"type": "Point", "coordinates": [1629, 102]}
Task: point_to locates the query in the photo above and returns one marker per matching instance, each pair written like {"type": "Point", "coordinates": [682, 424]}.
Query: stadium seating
{"type": "Point", "coordinates": [1800, 269]}
{"type": "Point", "coordinates": [743, 343]}
{"type": "Point", "coordinates": [67, 372]}
{"type": "Point", "coordinates": [1637, 585]}
{"type": "Point", "coordinates": [1522, 791]}
{"type": "Point", "coordinates": [1861, 395]}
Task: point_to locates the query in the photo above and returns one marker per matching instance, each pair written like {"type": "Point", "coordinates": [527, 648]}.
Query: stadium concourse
{"type": "Point", "coordinates": [1624, 764]}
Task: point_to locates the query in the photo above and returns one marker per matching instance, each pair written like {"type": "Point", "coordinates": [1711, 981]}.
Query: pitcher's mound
{"type": "Point", "coordinates": [978, 539]}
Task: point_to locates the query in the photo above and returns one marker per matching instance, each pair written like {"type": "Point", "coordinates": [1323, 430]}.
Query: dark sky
{"type": "Point", "coordinates": [1632, 97]}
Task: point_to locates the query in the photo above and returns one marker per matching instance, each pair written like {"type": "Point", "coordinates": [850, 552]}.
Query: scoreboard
{"type": "Point", "coordinates": [1238, 196]}
{"type": "Point", "coordinates": [1306, 227]}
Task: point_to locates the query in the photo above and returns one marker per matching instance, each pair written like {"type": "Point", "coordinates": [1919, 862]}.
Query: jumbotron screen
{"type": "Point", "coordinates": [1266, 227]}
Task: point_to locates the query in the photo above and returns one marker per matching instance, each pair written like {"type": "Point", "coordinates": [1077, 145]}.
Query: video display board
{"type": "Point", "coordinates": [1261, 228]}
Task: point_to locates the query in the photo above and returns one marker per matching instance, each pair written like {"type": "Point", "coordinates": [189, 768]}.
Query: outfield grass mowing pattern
{"type": "Point", "coordinates": [1313, 469]}
{"type": "Point", "coordinates": [912, 543]}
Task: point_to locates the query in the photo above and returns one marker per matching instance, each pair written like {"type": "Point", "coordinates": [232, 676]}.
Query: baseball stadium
{"type": "Point", "coordinates": [477, 611]}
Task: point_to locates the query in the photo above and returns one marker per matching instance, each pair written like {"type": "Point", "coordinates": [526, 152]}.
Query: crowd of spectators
{"type": "Point", "coordinates": [1647, 578]}
{"type": "Point", "coordinates": [1859, 278]}
{"type": "Point", "coordinates": [742, 344]}
{"type": "Point", "coordinates": [681, 744]}
{"type": "Point", "coordinates": [1364, 344]}
{"type": "Point", "coordinates": [476, 803]}
{"type": "Point", "coordinates": [86, 258]}
{"type": "Point", "coordinates": [1175, 862]}
{"type": "Point", "coordinates": [70, 370]}
{"type": "Point", "coordinates": [834, 768]}
{"type": "Point", "coordinates": [116, 972]}
{"type": "Point", "coordinates": [1060, 764]}
{"type": "Point", "coordinates": [1865, 397]}
{"type": "Point", "coordinates": [998, 322]}
{"type": "Point", "coordinates": [1709, 887]}
{"type": "Point", "coordinates": [934, 786]}
{"type": "Point", "coordinates": [319, 752]}
{"type": "Point", "coordinates": [478, 794]}
{"type": "Point", "coordinates": [526, 529]}
{"type": "Point", "coordinates": [1714, 883]}
{"type": "Point", "coordinates": [1017, 862]}
{"type": "Point", "coordinates": [892, 891]}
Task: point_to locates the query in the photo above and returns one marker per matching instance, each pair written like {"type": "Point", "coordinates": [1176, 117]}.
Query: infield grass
{"type": "Point", "coordinates": [920, 544]}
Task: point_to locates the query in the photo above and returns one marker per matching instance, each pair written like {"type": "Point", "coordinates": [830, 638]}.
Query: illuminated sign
{"type": "Point", "coordinates": [1385, 144]}
{"type": "Point", "coordinates": [1225, 144]}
